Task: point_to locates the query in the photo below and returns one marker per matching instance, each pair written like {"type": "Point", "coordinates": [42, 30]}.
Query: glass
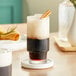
{"type": "Point", "coordinates": [37, 38]}
{"type": "Point", "coordinates": [65, 19]}
{"type": "Point", "coordinates": [5, 62]}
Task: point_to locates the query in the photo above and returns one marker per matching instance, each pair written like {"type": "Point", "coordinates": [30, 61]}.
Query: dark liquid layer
{"type": "Point", "coordinates": [37, 45]}
{"type": "Point", "coordinates": [6, 71]}
{"type": "Point", "coordinates": [37, 48]}
{"type": "Point", "coordinates": [38, 55]}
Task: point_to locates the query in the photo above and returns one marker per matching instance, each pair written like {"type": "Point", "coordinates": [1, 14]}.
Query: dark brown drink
{"type": "Point", "coordinates": [6, 71]}
{"type": "Point", "coordinates": [37, 38]}
{"type": "Point", "coordinates": [37, 48]}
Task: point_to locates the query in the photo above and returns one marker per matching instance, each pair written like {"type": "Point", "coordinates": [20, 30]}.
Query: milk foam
{"type": "Point", "coordinates": [5, 57]}
{"type": "Point", "coordinates": [37, 28]}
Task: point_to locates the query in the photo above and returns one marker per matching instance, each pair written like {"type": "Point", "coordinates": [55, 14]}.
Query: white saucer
{"type": "Point", "coordinates": [25, 64]}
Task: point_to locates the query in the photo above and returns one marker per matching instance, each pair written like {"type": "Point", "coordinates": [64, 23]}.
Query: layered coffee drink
{"type": "Point", "coordinates": [5, 62]}
{"type": "Point", "coordinates": [38, 48]}
{"type": "Point", "coordinates": [37, 37]}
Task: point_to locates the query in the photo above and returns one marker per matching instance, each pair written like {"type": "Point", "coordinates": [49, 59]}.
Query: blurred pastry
{"type": "Point", "coordinates": [11, 34]}
{"type": "Point", "coordinates": [2, 31]}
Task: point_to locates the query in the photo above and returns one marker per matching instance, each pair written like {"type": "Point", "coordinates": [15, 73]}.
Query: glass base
{"type": "Point", "coordinates": [37, 61]}
{"type": "Point", "coordinates": [25, 64]}
{"type": "Point", "coordinates": [62, 37]}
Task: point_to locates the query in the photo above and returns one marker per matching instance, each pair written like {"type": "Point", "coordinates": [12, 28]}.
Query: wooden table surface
{"type": "Point", "coordinates": [64, 63]}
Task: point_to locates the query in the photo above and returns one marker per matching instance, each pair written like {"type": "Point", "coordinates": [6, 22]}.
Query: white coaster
{"type": "Point", "coordinates": [25, 64]}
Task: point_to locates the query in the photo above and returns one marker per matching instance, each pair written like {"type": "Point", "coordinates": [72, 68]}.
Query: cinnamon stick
{"type": "Point", "coordinates": [46, 14]}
